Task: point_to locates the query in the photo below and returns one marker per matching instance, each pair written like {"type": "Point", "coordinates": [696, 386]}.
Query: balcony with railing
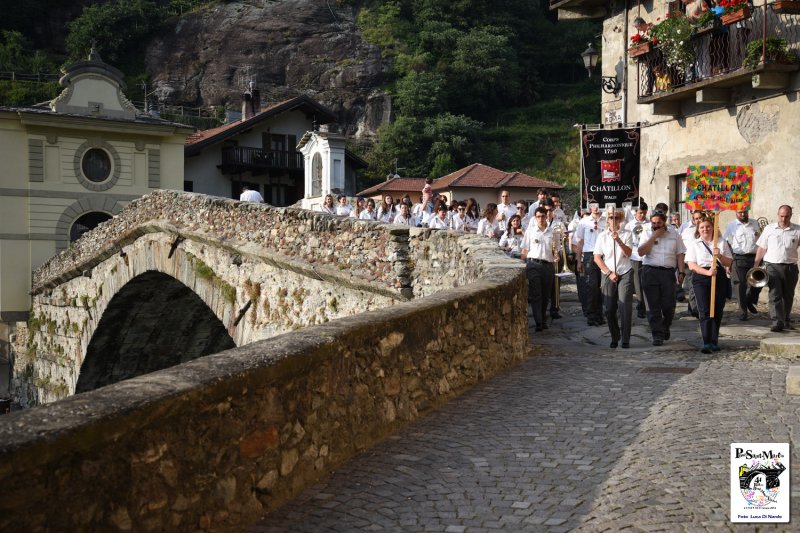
{"type": "Point", "coordinates": [243, 158]}
{"type": "Point", "coordinates": [724, 57]}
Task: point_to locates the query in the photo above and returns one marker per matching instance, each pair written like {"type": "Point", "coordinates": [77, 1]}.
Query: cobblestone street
{"type": "Point", "coordinates": [578, 437]}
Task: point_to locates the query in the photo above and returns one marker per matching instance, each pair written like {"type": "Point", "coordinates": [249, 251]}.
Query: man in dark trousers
{"type": "Point", "coordinates": [777, 246]}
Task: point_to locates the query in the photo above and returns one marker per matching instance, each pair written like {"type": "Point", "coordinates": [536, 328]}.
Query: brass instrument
{"type": "Point", "coordinates": [757, 277]}
{"type": "Point", "coordinates": [638, 229]}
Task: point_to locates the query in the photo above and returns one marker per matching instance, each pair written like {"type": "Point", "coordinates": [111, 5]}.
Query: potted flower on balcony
{"type": "Point", "coordinates": [776, 51]}
{"type": "Point", "coordinates": [706, 22]}
{"type": "Point", "coordinates": [640, 45]}
{"type": "Point", "coordinates": [734, 11]}
{"type": "Point", "coordinates": [790, 7]}
{"type": "Point", "coordinates": [673, 36]}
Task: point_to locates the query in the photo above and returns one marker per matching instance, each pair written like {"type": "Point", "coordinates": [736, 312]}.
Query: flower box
{"type": "Point", "coordinates": [639, 50]}
{"type": "Point", "coordinates": [707, 28]}
{"type": "Point", "coordinates": [790, 7]}
{"type": "Point", "coordinates": [736, 16]}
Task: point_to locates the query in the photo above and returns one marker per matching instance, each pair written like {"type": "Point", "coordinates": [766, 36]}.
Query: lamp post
{"type": "Point", "coordinates": [590, 56]}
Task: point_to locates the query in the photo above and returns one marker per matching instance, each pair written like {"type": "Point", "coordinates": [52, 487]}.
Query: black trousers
{"type": "Point", "coordinates": [540, 283]}
{"type": "Point", "coordinates": [745, 294]}
{"type": "Point", "coordinates": [591, 277]}
{"type": "Point", "coordinates": [637, 285]}
{"type": "Point", "coordinates": [658, 285]}
{"type": "Point", "coordinates": [782, 282]}
{"type": "Point", "coordinates": [709, 327]}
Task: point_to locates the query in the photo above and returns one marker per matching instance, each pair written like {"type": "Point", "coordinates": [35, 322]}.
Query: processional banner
{"type": "Point", "coordinates": [719, 188]}
{"type": "Point", "coordinates": [610, 167]}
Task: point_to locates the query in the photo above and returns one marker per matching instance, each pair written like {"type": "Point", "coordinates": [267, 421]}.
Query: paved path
{"type": "Point", "coordinates": [576, 438]}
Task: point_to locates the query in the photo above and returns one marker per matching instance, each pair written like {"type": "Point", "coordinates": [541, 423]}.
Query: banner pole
{"type": "Point", "coordinates": [714, 266]}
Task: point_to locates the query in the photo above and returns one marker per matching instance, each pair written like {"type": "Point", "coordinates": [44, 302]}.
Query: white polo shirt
{"type": "Point", "coordinates": [781, 243]}
{"type": "Point", "coordinates": [631, 227]}
{"type": "Point", "coordinates": [697, 252]}
{"type": "Point", "coordinates": [664, 253]}
{"type": "Point", "coordinates": [611, 252]}
{"type": "Point", "coordinates": [742, 237]}
{"type": "Point", "coordinates": [539, 243]}
{"type": "Point", "coordinates": [588, 230]}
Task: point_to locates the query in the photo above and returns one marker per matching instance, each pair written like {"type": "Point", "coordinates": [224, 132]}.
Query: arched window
{"type": "Point", "coordinates": [96, 165]}
{"type": "Point", "coordinates": [316, 175]}
{"type": "Point", "coordinates": [86, 222]}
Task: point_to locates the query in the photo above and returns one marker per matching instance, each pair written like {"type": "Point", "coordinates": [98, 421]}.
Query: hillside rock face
{"type": "Point", "coordinates": [288, 47]}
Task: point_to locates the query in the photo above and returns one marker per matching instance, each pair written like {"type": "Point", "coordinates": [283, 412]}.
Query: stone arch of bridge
{"type": "Point", "coordinates": [153, 322]}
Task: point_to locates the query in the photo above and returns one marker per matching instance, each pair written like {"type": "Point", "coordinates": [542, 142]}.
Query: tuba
{"type": "Point", "coordinates": [757, 277]}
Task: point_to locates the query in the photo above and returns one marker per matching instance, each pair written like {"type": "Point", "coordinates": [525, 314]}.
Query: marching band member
{"type": "Point", "coordinates": [741, 235]}
{"type": "Point", "coordinates": [777, 246]}
{"type": "Point", "coordinates": [586, 237]}
{"type": "Point", "coordinates": [662, 251]}
{"type": "Point", "coordinates": [636, 227]}
{"type": "Point", "coordinates": [612, 256]}
{"type": "Point", "coordinates": [704, 257]}
{"type": "Point", "coordinates": [537, 251]}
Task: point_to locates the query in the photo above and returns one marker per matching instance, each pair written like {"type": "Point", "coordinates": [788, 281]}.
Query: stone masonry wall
{"type": "Point", "coordinates": [214, 443]}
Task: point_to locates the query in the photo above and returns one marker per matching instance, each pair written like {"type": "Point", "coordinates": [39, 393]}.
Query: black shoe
{"type": "Point", "coordinates": [706, 348]}
{"type": "Point", "coordinates": [776, 327]}
{"type": "Point", "coordinates": [592, 323]}
{"type": "Point", "coordinates": [667, 335]}
{"type": "Point", "coordinates": [658, 342]}
{"type": "Point", "coordinates": [601, 321]}
{"type": "Point", "coordinates": [626, 345]}
{"type": "Point", "coordinates": [752, 308]}
{"type": "Point", "coordinates": [642, 314]}
{"type": "Point", "coordinates": [613, 344]}
{"type": "Point", "coordinates": [743, 317]}
{"type": "Point", "coordinates": [545, 326]}
{"type": "Point", "coordinates": [715, 347]}
{"type": "Point", "coordinates": [555, 315]}
{"type": "Point", "coordinates": [538, 328]}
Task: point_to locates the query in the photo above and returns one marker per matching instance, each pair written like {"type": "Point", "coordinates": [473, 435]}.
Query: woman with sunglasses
{"type": "Point", "coordinates": [458, 221]}
{"type": "Point", "coordinates": [472, 215]}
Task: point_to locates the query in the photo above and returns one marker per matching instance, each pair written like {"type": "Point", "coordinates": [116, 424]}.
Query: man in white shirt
{"type": "Point", "coordinates": [612, 256]}
{"type": "Point", "coordinates": [585, 238]}
{"type": "Point", "coordinates": [636, 227]}
{"type": "Point", "coordinates": [777, 246]}
{"type": "Point", "coordinates": [541, 194]}
{"type": "Point", "coordinates": [537, 251]}
{"type": "Point", "coordinates": [505, 209]}
{"type": "Point", "coordinates": [741, 236]}
{"type": "Point", "coordinates": [662, 251]}
{"type": "Point", "coordinates": [249, 195]}
{"type": "Point", "coordinates": [522, 211]}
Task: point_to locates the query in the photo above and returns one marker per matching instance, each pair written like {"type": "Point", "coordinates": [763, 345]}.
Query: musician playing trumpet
{"type": "Point", "coordinates": [612, 253]}
{"type": "Point", "coordinates": [741, 235]}
{"type": "Point", "coordinates": [705, 258]}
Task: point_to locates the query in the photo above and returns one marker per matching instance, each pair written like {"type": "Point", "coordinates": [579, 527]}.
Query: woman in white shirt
{"type": "Point", "coordinates": [488, 226]}
{"type": "Point", "coordinates": [472, 216]}
{"type": "Point", "coordinates": [327, 205]}
{"type": "Point", "coordinates": [359, 208]}
{"type": "Point", "coordinates": [404, 216]}
{"type": "Point", "coordinates": [387, 210]}
{"type": "Point", "coordinates": [704, 258]}
{"type": "Point", "coordinates": [440, 220]}
{"type": "Point", "coordinates": [369, 213]}
{"type": "Point", "coordinates": [458, 221]}
{"type": "Point", "coordinates": [511, 241]}
{"type": "Point", "coordinates": [344, 208]}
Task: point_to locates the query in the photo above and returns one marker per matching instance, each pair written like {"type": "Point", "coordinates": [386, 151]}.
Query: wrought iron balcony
{"type": "Point", "coordinates": [244, 158]}
{"type": "Point", "coordinates": [722, 61]}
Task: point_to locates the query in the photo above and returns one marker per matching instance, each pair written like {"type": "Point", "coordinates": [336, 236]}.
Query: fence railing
{"type": "Point", "coordinates": [243, 156]}
{"type": "Point", "coordinates": [720, 49]}
{"type": "Point", "coordinates": [30, 76]}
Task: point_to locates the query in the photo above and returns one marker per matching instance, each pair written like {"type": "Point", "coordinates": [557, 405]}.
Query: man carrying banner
{"type": "Point", "coordinates": [741, 236]}
{"type": "Point", "coordinates": [777, 246]}
{"type": "Point", "coordinates": [662, 251]}
{"type": "Point", "coordinates": [612, 256]}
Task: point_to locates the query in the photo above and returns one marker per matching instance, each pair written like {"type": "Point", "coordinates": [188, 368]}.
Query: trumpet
{"type": "Point", "coordinates": [757, 277]}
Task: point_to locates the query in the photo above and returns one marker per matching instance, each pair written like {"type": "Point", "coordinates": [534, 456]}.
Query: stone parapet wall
{"type": "Point", "coordinates": [215, 443]}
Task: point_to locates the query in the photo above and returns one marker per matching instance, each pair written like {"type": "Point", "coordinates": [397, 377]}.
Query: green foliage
{"type": "Point", "coordinates": [16, 56]}
{"type": "Point", "coordinates": [674, 39]}
{"type": "Point", "coordinates": [23, 93]}
{"type": "Point", "coordinates": [776, 50]}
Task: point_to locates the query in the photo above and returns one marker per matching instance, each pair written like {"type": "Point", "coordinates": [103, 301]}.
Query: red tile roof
{"type": "Point", "coordinates": [483, 176]}
{"type": "Point", "coordinates": [395, 185]}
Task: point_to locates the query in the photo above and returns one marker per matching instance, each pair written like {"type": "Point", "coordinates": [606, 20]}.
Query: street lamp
{"type": "Point", "coordinates": [590, 56]}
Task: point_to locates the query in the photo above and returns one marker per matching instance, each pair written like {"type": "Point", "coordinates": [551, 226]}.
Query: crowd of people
{"type": "Point", "coordinates": [624, 259]}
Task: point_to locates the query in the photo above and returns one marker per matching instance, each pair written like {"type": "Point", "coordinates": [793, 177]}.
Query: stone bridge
{"type": "Point", "coordinates": [334, 333]}
{"type": "Point", "coordinates": [177, 276]}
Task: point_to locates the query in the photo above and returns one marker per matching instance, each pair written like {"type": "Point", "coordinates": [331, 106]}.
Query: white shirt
{"type": "Point", "coordinates": [472, 223]}
{"type": "Point", "coordinates": [539, 243]}
{"type": "Point", "coordinates": [698, 252]}
{"type": "Point", "coordinates": [741, 237]}
{"type": "Point", "coordinates": [781, 243]}
{"type": "Point", "coordinates": [513, 243]}
{"type": "Point", "coordinates": [664, 252]}
{"type": "Point", "coordinates": [560, 215]}
{"type": "Point", "coordinates": [366, 215]}
{"type": "Point", "coordinates": [458, 222]}
{"type": "Point", "coordinates": [611, 252]}
{"type": "Point", "coordinates": [688, 235]}
{"type": "Point", "coordinates": [508, 210]}
{"type": "Point", "coordinates": [344, 210]}
{"type": "Point", "coordinates": [251, 196]}
{"type": "Point", "coordinates": [386, 216]}
{"type": "Point", "coordinates": [587, 232]}
{"type": "Point", "coordinates": [329, 210]}
{"type": "Point", "coordinates": [405, 221]}
{"type": "Point", "coordinates": [488, 228]}
{"type": "Point", "coordinates": [631, 226]}
{"type": "Point", "coordinates": [438, 223]}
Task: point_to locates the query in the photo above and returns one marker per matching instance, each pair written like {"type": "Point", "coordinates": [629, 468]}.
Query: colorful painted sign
{"type": "Point", "coordinates": [610, 167]}
{"type": "Point", "coordinates": [719, 188]}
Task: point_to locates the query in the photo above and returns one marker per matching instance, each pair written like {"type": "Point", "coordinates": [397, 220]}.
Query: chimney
{"type": "Point", "coordinates": [251, 102]}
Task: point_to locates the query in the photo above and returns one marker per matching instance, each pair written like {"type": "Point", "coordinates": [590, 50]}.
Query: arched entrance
{"type": "Point", "coordinates": [85, 223]}
{"type": "Point", "coordinates": [153, 322]}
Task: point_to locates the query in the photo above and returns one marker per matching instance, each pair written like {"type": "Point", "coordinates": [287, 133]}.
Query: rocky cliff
{"type": "Point", "coordinates": [288, 47]}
